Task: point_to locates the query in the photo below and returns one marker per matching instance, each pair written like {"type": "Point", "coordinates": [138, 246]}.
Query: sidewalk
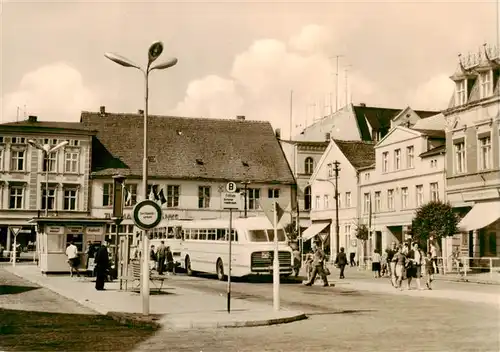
{"type": "Point", "coordinates": [175, 307]}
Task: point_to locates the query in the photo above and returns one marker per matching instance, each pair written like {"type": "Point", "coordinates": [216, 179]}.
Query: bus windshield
{"type": "Point", "coordinates": [266, 235]}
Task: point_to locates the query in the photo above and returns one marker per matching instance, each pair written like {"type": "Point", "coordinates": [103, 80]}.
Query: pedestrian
{"type": "Point", "coordinates": [161, 254]}
{"type": "Point", "coordinates": [170, 261]}
{"type": "Point", "coordinates": [434, 256]}
{"type": "Point", "coordinates": [152, 258]}
{"type": "Point", "coordinates": [308, 265]}
{"type": "Point", "coordinates": [414, 266]}
{"type": "Point", "coordinates": [318, 266]}
{"type": "Point", "coordinates": [73, 259]}
{"type": "Point", "coordinates": [392, 262]}
{"type": "Point", "coordinates": [383, 265]}
{"type": "Point", "coordinates": [341, 262]}
{"type": "Point", "coordinates": [376, 263]}
{"type": "Point", "coordinates": [101, 266]}
{"type": "Point", "coordinates": [399, 268]}
{"type": "Point", "coordinates": [429, 270]}
{"type": "Point", "coordinates": [296, 259]}
{"type": "Point", "coordinates": [352, 255]}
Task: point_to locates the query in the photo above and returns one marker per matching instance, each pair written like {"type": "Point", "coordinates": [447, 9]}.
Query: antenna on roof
{"type": "Point", "coordinates": [17, 115]}
{"type": "Point", "coordinates": [25, 111]}
{"type": "Point", "coordinates": [291, 112]}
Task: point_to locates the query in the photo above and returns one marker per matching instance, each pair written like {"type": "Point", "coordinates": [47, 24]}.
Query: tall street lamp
{"type": "Point", "coordinates": [337, 227]}
{"type": "Point", "coordinates": [154, 52]}
{"type": "Point", "coordinates": [47, 150]}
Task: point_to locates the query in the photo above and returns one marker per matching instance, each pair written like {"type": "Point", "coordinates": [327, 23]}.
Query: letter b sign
{"type": "Point", "coordinates": [231, 187]}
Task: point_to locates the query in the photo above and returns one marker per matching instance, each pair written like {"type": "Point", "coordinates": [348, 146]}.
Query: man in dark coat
{"type": "Point", "coordinates": [101, 266]}
{"type": "Point", "coordinates": [341, 261]}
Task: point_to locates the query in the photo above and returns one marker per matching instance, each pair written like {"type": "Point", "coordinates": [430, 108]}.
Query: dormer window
{"type": "Point", "coordinates": [486, 86]}
{"type": "Point", "coordinates": [461, 92]}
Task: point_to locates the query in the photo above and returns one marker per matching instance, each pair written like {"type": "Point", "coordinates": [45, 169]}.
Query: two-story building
{"type": "Point", "coordinates": [190, 162]}
{"type": "Point", "coordinates": [408, 173]}
{"type": "Point", "coordinates": [473, 158]}
{"type": "Point", "coordinates": [30, 183]}
{"type": "Point", "coordinates": [352, 156]}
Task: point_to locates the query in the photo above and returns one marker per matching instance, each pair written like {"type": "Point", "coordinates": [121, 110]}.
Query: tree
{"type": "Point", "coordinates": [362, 232]}
{"type": "Point", "coordinates": [435, 219]}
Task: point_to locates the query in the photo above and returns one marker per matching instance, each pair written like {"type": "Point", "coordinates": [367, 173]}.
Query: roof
{"type": "Point", "coordinates": [360, 154]}
{"type": "Point", "coordinates": [307, 143]}
{"type": "Point", "coordinates": [434, 122]}
{"type": "Point", "coordinates": [434, 151]}
{"type": "Point", "coordinates": [46, 125]}
{"type": "Point", "coordinates": [380, 118]}
{"type": "Point", "coordinates": [187, 148]}
{"type": "Point", "coordinates": [432, 133]}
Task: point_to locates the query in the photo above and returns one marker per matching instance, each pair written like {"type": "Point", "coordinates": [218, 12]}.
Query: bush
{"type": "Point", "coordinates": [435, 219]}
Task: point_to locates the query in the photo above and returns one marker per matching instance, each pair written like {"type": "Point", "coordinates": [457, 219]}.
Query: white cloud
{"type": "Point", "coordinates": [312, 38]}
{"type": "Point", "coordinates": [53, 92]}
{"type": "Point", "coordinates": [433, 94]}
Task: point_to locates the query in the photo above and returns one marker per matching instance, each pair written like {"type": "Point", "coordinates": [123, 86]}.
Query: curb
{"type": "Point", "coordinates": [136, 319]}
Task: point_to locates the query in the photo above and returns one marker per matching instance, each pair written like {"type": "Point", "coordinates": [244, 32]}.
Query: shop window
{"type": "Point", "coordinates": [77, 241]}
{"type": "Point", "coordinates": [55, 244]}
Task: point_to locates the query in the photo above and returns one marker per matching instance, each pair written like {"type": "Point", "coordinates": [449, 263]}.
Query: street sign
{"type": "Point", "coordinates": [323, 236]}
{"type": "Point", "coordinates": [231, 200]}
{"type": "Point", "coordinates": [268, 206]}
{"type": "Point", "coordinates": [15, 230]}
{"type": "Point", "coordinates": [231, 187]}
{"type": "Point", "coordinates": [146, 214]}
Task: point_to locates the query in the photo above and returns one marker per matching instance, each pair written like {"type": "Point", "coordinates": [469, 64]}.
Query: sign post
{"type": "Point", "coordinates": [146, 215]}
{"type": "Point", "coordinates": [15, 231]}
{"type": "Point", "coordinates": [274, 213]}
{"type": "Point", "coordinates": [230, 201]}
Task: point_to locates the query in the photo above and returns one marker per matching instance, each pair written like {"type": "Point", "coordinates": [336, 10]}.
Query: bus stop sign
{"type": "Point", "coordinates": [146, 215]}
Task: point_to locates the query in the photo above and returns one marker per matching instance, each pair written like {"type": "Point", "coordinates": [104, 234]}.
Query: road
{"type": "Point", "coordinates": [340, 319]}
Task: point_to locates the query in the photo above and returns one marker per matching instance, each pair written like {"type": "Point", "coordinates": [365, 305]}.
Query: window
{"type": "Point", "coordinates": [107, 194]}
{"type": "Point", "coordinates": [307, 198]}
{"type": "Point", "coordinates": [434, 163]}
{"type": "Point", "coordinates": [273, 193]}
{"type": "Point", "coordinates": [486, 88]}
{"type": "Point", "coordinates": [461, 92]}
{"type": "Point", "coordinates": [1, 159]}
{"type": "Point", "coordinates": [419, 195]}
{"type": "Point", "coordinates": [51, 198]}
{"type": "Point", "coordinates": [17, 160]}
{"type": "Point", "coordinates": [325, 201]}
{"type": "Point", "coordinates": [172, 196]}
{"type": "Point", "coordinates": [347, 199]}
{"type": "Point", "coordinates": [16, 197]}
{"type": "Point", "coordinates": [409, 156]}
{"type": "Point", "coordinates": [18, 140]}
{"type": "Point", "coordinates": [397, 159]}
{"type": "Point", "coordinates": [317, 202]}
{"type": "Point", "coordinates": [460, 157]}
{"type": "Point", "coordinates": [404, 197]}
{"type": "Point", "coordinates": [434, 192]}
{"type": "Point", "coordinates": [378, 202]}
{"type": "Point", "coordinates": [385, 162]}
{"type": "Point", "coordinates": [330, 170]}
{"type": "Point", "coordinates": [71, 162]}
{"type": "Point", "coordinates": [485, 153]}
{"type": "Point", "coordinates": [69, 199]}
{"type": "Point", "coordinates": [340, 200]}
{"type": "Point", "coordinates": [253, 198]}
{"type": "Point", "coordinates": [51, 161]}
{"type": "Point", "coordinates": [367, 176]}
{"type": "Point", "coordinates": [366, 203]}
{"type": "Point", "coordinates": [347, 230]}
{"type": "Point", "coordinates": [130, 194]}
{"type": "Point", "coordinates": [390, 199]}
{"type": "Point", "coordinates": [203, 197]}
{"type": "Point", "coordinates": [309, 166]}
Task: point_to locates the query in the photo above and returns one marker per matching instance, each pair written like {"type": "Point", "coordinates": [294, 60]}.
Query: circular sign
{"type": "Point", "coordinates": [231, 187]}
{"type": "Point", "coordinates": [146, 214]}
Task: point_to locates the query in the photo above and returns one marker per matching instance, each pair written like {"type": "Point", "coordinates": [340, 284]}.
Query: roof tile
{"type": "Point", "coordinates": [359, 153]}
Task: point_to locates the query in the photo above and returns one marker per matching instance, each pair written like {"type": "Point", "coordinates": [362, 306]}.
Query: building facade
{"type": "Point", "coordinates": [473, 159]}
{"type": "Point", "coordinates": [25, 175]}
{"type": "Point", "coordinates": [408, 173]}
{"type": "Point", "coordinates": [190, 162]}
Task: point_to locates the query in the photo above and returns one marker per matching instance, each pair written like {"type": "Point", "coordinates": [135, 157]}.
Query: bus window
{"type": "Point", "coordinates": [221, 234]}
{"type": "Point", "coordinates": [194, 234]}
{"type": "Point", "coordinates": [281, 235]}
{"type": "Point", "coordinates": [212, 233]}
{"type": "Point", "coordinates": [234, 236]}
{"type": "Point", "coordinates": [258, 236]}
{"type": "Point", "coordinates": [202, 234]}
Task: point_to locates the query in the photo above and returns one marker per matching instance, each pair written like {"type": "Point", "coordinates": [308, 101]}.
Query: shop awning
{"type": "Point", "coordinates": [482, 214]}
{"type": "Point", "coordinates": [314, 229]}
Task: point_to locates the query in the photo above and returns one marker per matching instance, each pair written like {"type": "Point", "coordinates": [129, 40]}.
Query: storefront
{"type": "Point", "coordinates": [55, 233]}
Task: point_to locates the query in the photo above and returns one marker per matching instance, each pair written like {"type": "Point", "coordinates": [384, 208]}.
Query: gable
{"type": "Point", "coordinates": [398, 134]}
{"type": "Point", "coordinates": [406, 118]}
{"type": "Point", "coordinates": [331, 154]}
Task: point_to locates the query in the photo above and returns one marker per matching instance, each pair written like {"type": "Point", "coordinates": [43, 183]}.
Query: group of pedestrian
{"type": "Point", "coordinates": [315, 265]}
{"type": "Point", "coordinates": [101, 261]}
{"type": "Point", "coordinates": [162, 259]}
{"type": "Point", "coordinates": [407, 263]}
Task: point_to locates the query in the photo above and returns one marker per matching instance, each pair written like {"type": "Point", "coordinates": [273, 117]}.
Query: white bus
{"type": "Point", "coordinates": [203, 246]}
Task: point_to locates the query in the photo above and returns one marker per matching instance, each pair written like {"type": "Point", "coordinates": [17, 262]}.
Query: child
{"type": "Point", "coordinates": [308, 265]}
{"type": "Point", "coordinates": [384, 264]}
{"type": "Point", "coordinates": [429, 270]}
{"type": "Point", "coordinates": [376, 263]}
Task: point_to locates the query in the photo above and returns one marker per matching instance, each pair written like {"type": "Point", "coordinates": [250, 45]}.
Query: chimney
{"type": "Point", "coordinates": [327, 136]}
{"type": "Point", "coordinates": [240, 117]}
{"type": "Point", "coordinates": [362, 104]}
{"type": "Point", "coordinates": [102, 110]}
{"type": "Point", "coordinates": [140, 112]}
{"type": "Point", "coordinates": [32, 119]}
{"type": "Point", "coordinates": [278, 133]}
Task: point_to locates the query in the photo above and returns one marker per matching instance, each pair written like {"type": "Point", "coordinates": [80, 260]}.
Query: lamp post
{"type": "Point", "coordinates": [47, 150]}
{"type": "Point", "coordinates": [154, 52]}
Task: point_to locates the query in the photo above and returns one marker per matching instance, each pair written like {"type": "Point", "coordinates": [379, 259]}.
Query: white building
{"type": "Point", "coordinates": [190, 162]}
{"type": "Point", "coordinates": [408, 173]}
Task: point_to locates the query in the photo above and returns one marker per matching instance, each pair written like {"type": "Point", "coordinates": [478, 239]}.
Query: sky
{"type": "Point", "coordinates": [266, 60]}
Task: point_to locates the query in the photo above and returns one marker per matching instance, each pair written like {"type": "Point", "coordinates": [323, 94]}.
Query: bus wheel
{"type": "Point", "coordinates": [220, 270]}
{"type": "Point", "coordinates": [189, 271]}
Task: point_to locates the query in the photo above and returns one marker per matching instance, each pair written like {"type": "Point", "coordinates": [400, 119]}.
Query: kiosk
{"type": "Point", "coordinates": [55, 233]}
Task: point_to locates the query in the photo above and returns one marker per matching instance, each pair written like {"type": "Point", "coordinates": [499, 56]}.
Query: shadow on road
{"type": "Point", "coordinates": [254, 279]}
{"type": "Point", "coordinates": [43, 331]}
{"type": "Point", "coordinates": [12, 290]}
